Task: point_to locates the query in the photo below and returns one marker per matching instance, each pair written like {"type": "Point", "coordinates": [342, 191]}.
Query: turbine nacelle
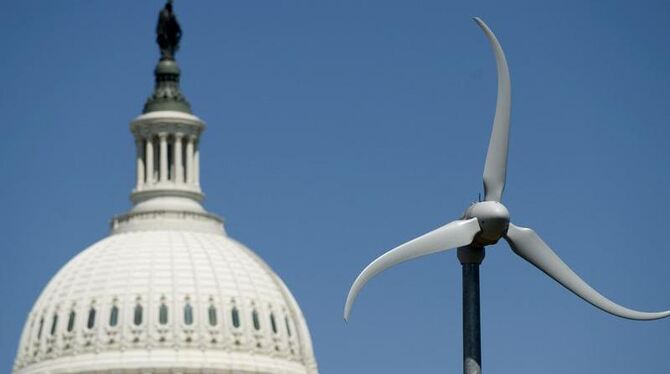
{"type": "Point", "coordinates": [493, 219]}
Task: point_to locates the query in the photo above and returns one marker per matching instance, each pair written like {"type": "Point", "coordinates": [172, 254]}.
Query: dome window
{"type": "Point", "coordinates": [137, 315]}
{"type": "Point", "coordinates": [188, 314]}
{"type": "Point", "coordinates": [90, 323]}
{"type": "Point", "coordinates": [163, 314]}
{"type": "Point", "coordinates": [114, 316]}
{"type": "Point", "coordinates": [39, 329]}
{"type": "Point", "coordinates": [273, 323]}
{"type": "Point", "coordinates": [288, 326]}
{"type": "Point", "coordinates": [54, 324]}
{"type": "Point", "coordinates": [254, 317]}
{"type": "Point", "coordinates": [70, 321]}
{"type": "Point", "coordinates": [211, 313]}
{"type": "Point", "coordinates": [235, 314]}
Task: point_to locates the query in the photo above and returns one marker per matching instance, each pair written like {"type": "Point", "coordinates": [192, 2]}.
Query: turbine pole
{"type": "Point", "coordinates": [471, 257]}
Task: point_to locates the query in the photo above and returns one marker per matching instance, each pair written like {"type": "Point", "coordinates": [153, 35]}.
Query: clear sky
{"type": "Point", "coordinates": [337, 130]}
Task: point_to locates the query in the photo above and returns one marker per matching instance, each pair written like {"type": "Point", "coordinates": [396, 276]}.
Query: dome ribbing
{"type": "Point", "coordinates": [122, 304]}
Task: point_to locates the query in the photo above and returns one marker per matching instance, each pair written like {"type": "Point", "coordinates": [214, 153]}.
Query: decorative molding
{"type": "Point", "coordinates": [167, 220]}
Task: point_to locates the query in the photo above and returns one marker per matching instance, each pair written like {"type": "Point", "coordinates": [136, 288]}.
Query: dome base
{"type": "Point", "coordinates": [168, 361]}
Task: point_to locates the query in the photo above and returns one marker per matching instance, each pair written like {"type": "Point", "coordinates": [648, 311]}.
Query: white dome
{"type": "Point", "coordinates": [168, 291]}
{"type": "Point", "coordinates": [164, 301]}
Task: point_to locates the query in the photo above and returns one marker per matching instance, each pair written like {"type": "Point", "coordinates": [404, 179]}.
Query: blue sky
{"type": "Point", "coordinates": [337, 130]}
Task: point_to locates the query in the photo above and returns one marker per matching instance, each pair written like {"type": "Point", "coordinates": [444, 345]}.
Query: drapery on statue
{"type": "Point", "coordinates": [168, 32]}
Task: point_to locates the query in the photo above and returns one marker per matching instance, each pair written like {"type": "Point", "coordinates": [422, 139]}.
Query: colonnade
{"type": "Point", "coordinates": [167, 158]}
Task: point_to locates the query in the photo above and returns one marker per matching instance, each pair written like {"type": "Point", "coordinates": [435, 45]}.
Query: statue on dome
{"type": "Point", "coordinates": [168, 32]}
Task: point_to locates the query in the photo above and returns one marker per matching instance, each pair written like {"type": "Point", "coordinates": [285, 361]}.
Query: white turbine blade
{"type": "Point", "coordinates": [527, 244]}
{"type": "Point", "coordinates": [452, 235]}
{"type": "Point", "coordinates": [495, 169]}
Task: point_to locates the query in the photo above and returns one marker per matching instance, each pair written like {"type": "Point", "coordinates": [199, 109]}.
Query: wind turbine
{"type": "Point", "coordinates": [484, 223]}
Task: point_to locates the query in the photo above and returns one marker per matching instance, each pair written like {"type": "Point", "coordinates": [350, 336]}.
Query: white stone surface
{"type": "Point", "coordinates": [171, 267]}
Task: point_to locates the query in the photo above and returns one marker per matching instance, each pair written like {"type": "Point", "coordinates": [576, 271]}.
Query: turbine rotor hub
{"type": "Point", "coordinates": [493, 219]}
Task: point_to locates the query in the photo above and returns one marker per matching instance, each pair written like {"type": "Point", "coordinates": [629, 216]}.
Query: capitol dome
{"type": "Point", "coordinates": [165, 299]}
{"type": "Point", "coordinates": [167, 291]}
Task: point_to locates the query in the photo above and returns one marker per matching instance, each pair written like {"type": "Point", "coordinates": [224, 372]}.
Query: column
{"type": "Point", "coordinates": [139, 144]}
{"type": "Point", "coordinates": [196, 164]}
{"type": "Point", "coordinates": [471, 257]}
{"type": "Point", "coordinates": [178, 160]}
{"type": "Point", "coordinates": [164, 160]}
{"type": "Point", "coordinates": [189, 159]}
{"type": "Point", "coordinates": [149, 152]}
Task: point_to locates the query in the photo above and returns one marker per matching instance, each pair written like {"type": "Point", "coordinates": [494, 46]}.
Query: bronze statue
{"type": "Point", "coordinates": [168, 32]}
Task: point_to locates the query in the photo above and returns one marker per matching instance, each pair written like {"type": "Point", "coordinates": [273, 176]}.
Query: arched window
{"type": "Point", "coordinates": [288, 326]}
{"type": "Point", "coordinates": [273, 323]}
{"type": "Point", "coordinates": [54, 324]}
{"type": "Point", "coordinates": [157, 158]}
{"type": "Point", "coordinates": [114, 316]}
{"type": "Point", "coordinates": [254, 317]}
{"type": "Point", "coordinates": [163, 314]}
{"type": "Point", "coordinates": [170, 158]}
{"type": "Point", "coordinates": [235, 314]}
{"type": "Point", "coordinates": [211, 313]}
{"type": "Point", "coordinates": [137, 315]}
{"type": "Point", "coordinates": [188, 314]}
{"type": "Point", "coordinates": [39, 330]}
{"type": "Point", "coordinates": [70, 321]}
{"type": "Point", "coordinates": [90, 323]}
